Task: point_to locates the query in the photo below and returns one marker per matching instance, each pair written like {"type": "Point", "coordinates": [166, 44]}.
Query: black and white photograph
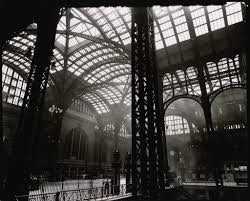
{"type": "Point", "coordinates": [123, 100]}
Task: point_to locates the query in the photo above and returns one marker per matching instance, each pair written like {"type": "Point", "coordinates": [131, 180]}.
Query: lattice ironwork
{"type": "Point", "coordinates": [147, 131]}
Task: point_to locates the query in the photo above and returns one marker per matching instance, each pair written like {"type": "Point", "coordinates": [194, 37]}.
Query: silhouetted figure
{"type": "Point", "coordinates": [106, 187]}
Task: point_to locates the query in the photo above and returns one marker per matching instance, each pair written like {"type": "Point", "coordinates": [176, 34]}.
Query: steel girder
{"type": "Point", "coordinates": [215, 93]}
{"type": "Point", "coordinates": [147, 131]}
{"type": "Point", "coordinates": [130, 3]}
{"type": "Point", "coordinates": [1, 126]}
{"type": "Point", "coordinates": [27, 131]}
{"type": "Point", "coordinates": [190, 96]}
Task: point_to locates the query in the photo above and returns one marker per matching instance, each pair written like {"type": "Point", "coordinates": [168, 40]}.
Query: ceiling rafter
{"type": "Point", "coordinates": [90, 52]}
{"type": "Point", "coordinates": [93, 21]}
{"type": "Point", "coordinates": [87, 88]}
{"type": "Point", "coordinates": [21, 52]}
{"type": "Point", "coordinates": [79, 80]}
{"type": "Point", "coordinates": [121, 49]}
{"type": "Point", "coordinates": [113, 28]}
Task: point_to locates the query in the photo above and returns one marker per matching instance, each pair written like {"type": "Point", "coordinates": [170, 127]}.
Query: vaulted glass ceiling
{"type": "Point", "coordinates": [93, 44]}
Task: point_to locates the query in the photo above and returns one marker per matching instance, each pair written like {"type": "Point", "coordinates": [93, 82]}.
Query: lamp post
{"type": "Point", "coordinates": [54, 136]}
{"type": "Point", "coordinates": [116, 166]}
{"type": "Point", "coordinates": [128, 168]}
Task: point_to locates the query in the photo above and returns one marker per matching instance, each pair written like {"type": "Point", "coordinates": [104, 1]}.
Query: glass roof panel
{"type": "Point", "coordinates": [95, 33]}
{"type": "Point", "coordinates": [216, 17]}
{"type": "Point", "coordinates": [233, 11]}
{"type": "Point", "coordinates": [199, 21]}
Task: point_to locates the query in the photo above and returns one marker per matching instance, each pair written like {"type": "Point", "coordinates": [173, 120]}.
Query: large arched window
{"type": "Point", "coordinates": [75, 146]}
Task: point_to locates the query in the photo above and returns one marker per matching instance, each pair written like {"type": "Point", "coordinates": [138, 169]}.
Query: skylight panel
{"type": "Point", "coordinates": [233, 7]}
{"type": "Point", "coordinates": [92, 11]}
{"type": "Point", "coordinates": [235, 18]}
{"type": "Point", "coordinates": [165, 26]}
{"type": "Point", "coordinates": [172, 8]}
{"type": "Point", "coordinates": [71, 69]}
{"type": "Point", "coordinates": [77, 13]}
{"type": "Point", "coordinates": [163, 19]}
{"type": "Point", "coordinates": [215, 15]}
{"type": "Point", "coordinates": [199, 22]}
{"type": "Point", "coordinates": [94, 31]}
{"type": "Point", "coordinates": [159, 11]}
{"type": "Point", "coordinates": [216, 19]}
{"type": "Point", "coordinates": [112, 16]}
{"type": "Point", "coordinates": [178, 13]}
{"type": "Point", "coordinates": [124, 36]}
{"type": "Point", "coordinates": [117, 22]}
{"type": "Point", "coordinates": [102, 21]}
{"type": "Point", "coordinates": [111, 33]}
{"type": "Point", "coordinates": [72, 42]}
{"type": "Point", "coordinates": [61, 39]}
{"type": "Point", "coordinates": [123, 10]}
{"type": "Point", "coordinates": [97, 15]}
{"type": "Point", "coordinates": [90, 81]}
{"type": "Point", "coordinates": [217, 24]}
{"type": "Point", "coordinates": [157, 37]}
{"type": "Point", "coordinates": [77, 73]}
{"type": "Point", "coordinates": [80, 70]}
{"type": "Point", "coordinates": [127, 17]}
{"type": "Point", "coordinates": [234, 13]}
{"type": "Point", "coordinates": [107, 10]}
{"type": "Point", "coordinates": [78, 28]}
{"type": "Point", "coordinates": [74, 21]}
{"type": "Point", "coordinates": [170, 41]}
{"type": "Point", "coordinates": [61, 25]}
{"type": "Point", "coordinates": [198, 13]}
{"type": "Point", "coordinates": [181, 26]}
{"type": "Point", "coordinates": [192, 8]}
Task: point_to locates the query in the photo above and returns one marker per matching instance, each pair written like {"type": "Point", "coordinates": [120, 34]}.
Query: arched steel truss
{"type": "Point", "coordinates": [110, 36]}
{"type": "Point", "coordinates": [171, 100]}
{"type": "Point", "coordinates": [215, 93]}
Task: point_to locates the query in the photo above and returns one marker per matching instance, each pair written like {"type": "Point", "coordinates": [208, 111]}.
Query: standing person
{"type": "Point", "coordinates": [106, 191]}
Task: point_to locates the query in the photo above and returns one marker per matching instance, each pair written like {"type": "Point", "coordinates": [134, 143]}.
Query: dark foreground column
{"type": "Point", "coordinates": [24, 148]}
{"type": "Point", "coordinates": [147, 132]}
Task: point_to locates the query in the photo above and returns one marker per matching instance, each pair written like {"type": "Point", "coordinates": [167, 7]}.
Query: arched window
{"type": "Point", "coordinates": [176, 125]}
{"type": "Point", "coordinates": [75, 146]}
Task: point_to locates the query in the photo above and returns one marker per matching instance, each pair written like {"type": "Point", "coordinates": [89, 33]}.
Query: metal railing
{"type": "Point", "coordinates": [98, 193]}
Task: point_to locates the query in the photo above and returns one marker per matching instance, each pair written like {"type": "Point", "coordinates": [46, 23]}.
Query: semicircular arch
{"type": "Point", "coordinates": [215, 93]}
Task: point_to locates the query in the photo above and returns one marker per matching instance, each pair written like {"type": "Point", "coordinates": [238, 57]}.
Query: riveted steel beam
{"type": "Point", "coordinates": [147, 132]}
